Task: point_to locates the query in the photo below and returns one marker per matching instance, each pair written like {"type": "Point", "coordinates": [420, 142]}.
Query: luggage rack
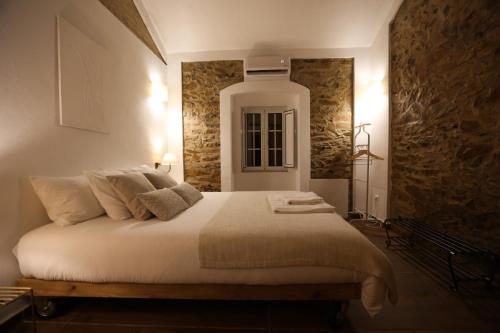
{"type": "Point", "coordinates": [415, 235]}
{"type": "Point", "coordinates": [14, 300]}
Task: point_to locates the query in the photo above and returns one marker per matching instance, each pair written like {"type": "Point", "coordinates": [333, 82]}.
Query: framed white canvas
{"type": "Point", "coordinates": [83, 75]}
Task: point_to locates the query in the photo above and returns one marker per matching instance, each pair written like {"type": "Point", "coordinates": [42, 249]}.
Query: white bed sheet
{"type": "Point", "coordinates": [104, 250]}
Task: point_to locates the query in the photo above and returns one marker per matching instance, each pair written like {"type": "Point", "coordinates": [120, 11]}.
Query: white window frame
{"type": "Point", "coordinates": [244, 112]}
{"type": "Point", "coordinates": [290, 134]}
{"type": "Point", "coordinates": [264, 112]}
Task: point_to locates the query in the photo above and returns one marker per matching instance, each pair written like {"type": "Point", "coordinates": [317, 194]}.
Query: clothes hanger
{"type": "Point", "coordinates": [362, 152]}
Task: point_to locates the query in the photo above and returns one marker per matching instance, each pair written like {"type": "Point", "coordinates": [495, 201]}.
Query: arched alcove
{"type": "Point", "coordinates": [260, 94]}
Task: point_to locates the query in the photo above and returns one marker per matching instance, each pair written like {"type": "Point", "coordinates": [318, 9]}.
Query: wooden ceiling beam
{"type": "Point", "coordinates": [128, 14]}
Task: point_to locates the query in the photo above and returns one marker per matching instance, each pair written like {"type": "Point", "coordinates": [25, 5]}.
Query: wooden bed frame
{"type": "Point", "coordinates": [332, 292]}
{"type": "Point", "coordinates": [339, 294]}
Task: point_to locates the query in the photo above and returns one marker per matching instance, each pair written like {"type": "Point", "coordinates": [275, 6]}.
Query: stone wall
{"type": "Point", "coordinates": [445, 122]}
{"type": "Point", "coordinates": [201, 84]}
{"type": "Point", "coordinates": [331, 85]}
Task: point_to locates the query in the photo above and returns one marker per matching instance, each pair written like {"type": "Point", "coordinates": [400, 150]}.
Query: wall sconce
{"type": "Point", "coordinates": [168, 159]}
{"type": "Point", "coordinates": [159, 91]}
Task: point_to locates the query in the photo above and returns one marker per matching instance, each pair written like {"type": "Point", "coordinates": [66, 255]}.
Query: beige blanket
{"type": "Point", "coordinates": [245, 234]}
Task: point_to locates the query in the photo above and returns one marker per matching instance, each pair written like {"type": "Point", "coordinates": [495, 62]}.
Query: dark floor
{"type": "Point", "coordinates": [424, 306]}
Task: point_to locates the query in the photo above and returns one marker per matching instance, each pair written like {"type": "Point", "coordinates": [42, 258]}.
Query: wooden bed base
{"type": "Point", "coordinates": [331, 292]}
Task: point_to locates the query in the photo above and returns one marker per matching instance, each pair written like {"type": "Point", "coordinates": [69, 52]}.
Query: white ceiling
{"type": "Point", "coordinates": [209, 25]}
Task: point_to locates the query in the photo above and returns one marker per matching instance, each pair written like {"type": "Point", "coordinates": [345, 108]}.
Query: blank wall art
{"type": "Point", "coordinates": [83, 68]}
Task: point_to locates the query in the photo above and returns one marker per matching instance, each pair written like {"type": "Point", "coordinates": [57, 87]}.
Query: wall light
{"type": "Point", "coordinates": [168, 159]}
{"type": "Point", "coordinates": [159, 91]}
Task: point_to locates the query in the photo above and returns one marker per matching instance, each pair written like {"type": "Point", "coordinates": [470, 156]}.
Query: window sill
{"type": "Point", "coordinates": [265, 170]}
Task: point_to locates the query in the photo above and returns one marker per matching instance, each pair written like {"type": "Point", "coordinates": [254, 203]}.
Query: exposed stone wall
{"type": "Point", "coordinates": [445, 122]}
{"type": "Point", "coordinates": [331, 84]}
{"type": "Point", "coordinates": [201, 84]}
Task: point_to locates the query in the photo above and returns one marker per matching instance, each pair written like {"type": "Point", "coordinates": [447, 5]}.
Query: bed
{"type": "Point", "coordinates": [155, 259]}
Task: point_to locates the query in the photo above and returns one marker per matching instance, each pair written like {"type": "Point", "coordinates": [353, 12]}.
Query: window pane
{"type": "Point", "coordinates": [249, 140]}
{"type": "Point", "coordinates": [279, 140]}
{"type": "Point", "coordinates": [250, 158]}
{"type": "Point", "coordinates": [279, 158]}
{"type": "Point", "coordinates": [257, 158]}
{"type": "Point", "coordinates": [249, 121]}
{"type": "Point", "coordinates": [257, 140]}
{"type": "Point", "coordinates": [271, 158]}
{"type": "Point", "coordinates": [270, 139]}
{"type": "Point", "coordinates": [257, 121]}
{"type": "Point", "coordinates": [271, 122]}
{"type": "Point", "coordinates": [279, 117]}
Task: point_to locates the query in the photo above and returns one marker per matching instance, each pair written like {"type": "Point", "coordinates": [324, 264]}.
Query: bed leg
{"type": "Point", "coordinates": [336, 313]}
{"type": "Point", "coordinates": [47, 307]}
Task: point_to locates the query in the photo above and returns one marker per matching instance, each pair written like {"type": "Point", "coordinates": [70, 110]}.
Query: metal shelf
{"type": "Point", "coordinates": [437, 250]}
{"type": "Point", "coordinates": [14, 300]}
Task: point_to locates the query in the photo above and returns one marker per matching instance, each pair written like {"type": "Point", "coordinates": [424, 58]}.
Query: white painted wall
{"type": "Point", "coordinates": [372, 106]}
{"type": "Point", "coordinates": [333, 191]}
{"type": "Point", "coordinates": [32, 143]}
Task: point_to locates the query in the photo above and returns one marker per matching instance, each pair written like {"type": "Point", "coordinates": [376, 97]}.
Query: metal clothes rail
{"type": "Point", "coordinates": [436, 248]}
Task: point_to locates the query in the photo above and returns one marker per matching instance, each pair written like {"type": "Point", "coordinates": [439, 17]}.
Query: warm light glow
{"type": "Point", "coordinates": [373, 100]}
{"type": "Point", "coordinates": [169, 159]}
{"type": "Point", "coordinates": [157, 145]}
{"type": "Point", "coordinates": [159, 91]}
{"type": "Point", "coordinates": [174, 125]}
{"type": "Point", "coordinates": [156, 106]}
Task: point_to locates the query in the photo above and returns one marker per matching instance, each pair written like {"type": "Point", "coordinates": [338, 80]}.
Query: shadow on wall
{"type": "Point", "coordinates": [32, 214]}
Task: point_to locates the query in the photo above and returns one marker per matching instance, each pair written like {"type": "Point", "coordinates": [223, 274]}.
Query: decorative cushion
{"type": "Point", "coordinates": [107, 196]}
{"type": "Point", "coordinates": [163, 203]}
{"type": "Point", "coordinates": [67, 200]}
{"type": "Point", "coordinates": [160, 179]}
{"type": "Point", "coordinates": [127, 186]}
{"type": "Point", "coordinates": [190, 194]}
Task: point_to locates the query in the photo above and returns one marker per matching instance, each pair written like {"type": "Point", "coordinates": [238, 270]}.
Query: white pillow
{"type": "Point", "coordinates": [109, 199]}
{"type": "Point", "coordinates": [68, 200]}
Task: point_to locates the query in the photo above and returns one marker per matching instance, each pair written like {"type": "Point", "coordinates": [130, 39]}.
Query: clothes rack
{"type": "Point", "coordinates": [362, 155]}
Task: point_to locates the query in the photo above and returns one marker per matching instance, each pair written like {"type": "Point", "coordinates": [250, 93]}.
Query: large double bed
{"type": "Point", "coordinates": [163, 259]}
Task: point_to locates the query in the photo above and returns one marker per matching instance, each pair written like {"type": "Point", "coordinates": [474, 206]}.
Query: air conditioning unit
{"type": "Point", "coordinates": [268, 67]}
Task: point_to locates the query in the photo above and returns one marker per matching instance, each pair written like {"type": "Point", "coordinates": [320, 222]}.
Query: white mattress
{"type": "Point", "coordinates": [104, 250]}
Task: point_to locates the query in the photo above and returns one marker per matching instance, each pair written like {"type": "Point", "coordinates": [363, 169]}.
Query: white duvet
{"type": "Point", "coordinates": [104, 250]}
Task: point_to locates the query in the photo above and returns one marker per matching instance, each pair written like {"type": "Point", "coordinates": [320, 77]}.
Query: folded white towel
{"type": "Point", "coordinates": [302, 198]}
{"type": "Point", "coordinates": [279, 204]}
{"type": "Point", "coordinates": [299, 198]}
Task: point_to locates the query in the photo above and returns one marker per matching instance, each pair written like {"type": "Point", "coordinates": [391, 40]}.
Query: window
{"type": "Point", "coordinates": [253, 135]}
{"type": "Point", "coordinates": [264, 140]}
{"type": "Point", "coordinates": [275, 139]}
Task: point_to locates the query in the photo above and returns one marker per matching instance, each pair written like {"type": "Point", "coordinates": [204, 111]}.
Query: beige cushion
{"type": "Point", "coordinates": [164, 203]}
{"type": "Point", "coordinates": [190, 194]}
{"type": "Point", "coordinates": [68, 200]}
{"type": "Point", "coordinates": [160, 179]}
{"type": "Point", "coordinates": [127, 186]}
{"type": "Point", "coordinates": [107, 196]}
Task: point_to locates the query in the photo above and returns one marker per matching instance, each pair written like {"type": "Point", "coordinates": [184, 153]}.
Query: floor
{"type": "Point", "coordinates": [425, 305]}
